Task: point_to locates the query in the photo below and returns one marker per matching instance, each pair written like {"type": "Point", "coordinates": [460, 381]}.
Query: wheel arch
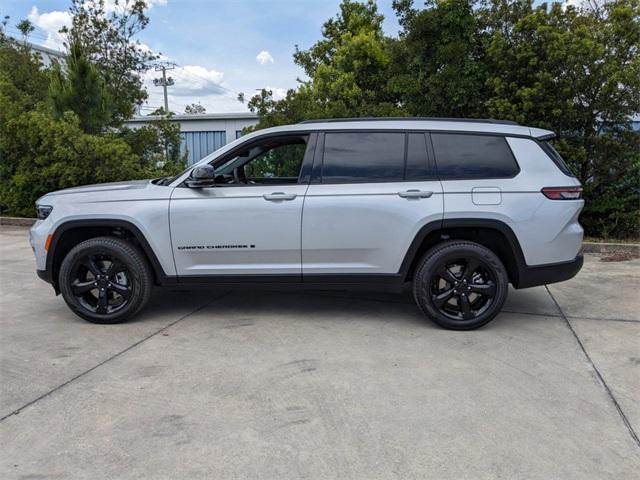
{"type": "Point", "coordinates": [72, 232]}
{"type": "Point", "coordinates": [496, 235]}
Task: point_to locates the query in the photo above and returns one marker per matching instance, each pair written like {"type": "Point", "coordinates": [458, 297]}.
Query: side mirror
{"type": "Point", "coordinates": [201, 176]}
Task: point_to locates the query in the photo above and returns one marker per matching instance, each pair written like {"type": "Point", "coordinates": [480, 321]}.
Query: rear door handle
{"type": "Point", "coordinates": [276, 196]}
{"type": "Point", "coordinates": [415, 194]}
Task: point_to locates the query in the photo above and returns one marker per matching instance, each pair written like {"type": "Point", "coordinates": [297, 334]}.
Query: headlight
{"type": "Point", "coordinates": [43, 211]}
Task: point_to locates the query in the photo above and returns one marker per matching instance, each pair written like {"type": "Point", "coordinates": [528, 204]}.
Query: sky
{"type": "Point", "coordinates": [221, 47]}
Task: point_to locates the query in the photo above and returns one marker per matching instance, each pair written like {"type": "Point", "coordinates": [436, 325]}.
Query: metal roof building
{"type": "Point", "coordinates": [203, 133]}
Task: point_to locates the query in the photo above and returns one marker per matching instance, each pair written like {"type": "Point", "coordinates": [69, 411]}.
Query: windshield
{"type": "Point", "coordinates": [164, 181]}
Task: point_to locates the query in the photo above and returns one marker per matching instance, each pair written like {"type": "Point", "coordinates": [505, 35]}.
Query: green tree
{"type": "Point", "coordinates": [80, 88]}
{"type": "Point", "coordinates": [108, 38]}
{"type": "Point", "coordinates": [438, 61]}
{"type": "Point", "coordinates": [41, 152]}
{"type": "Point", "coordinates": [161, 112]}
{"type": "Point", "coordinates": [195, 109]}
{"type": "Point", "coordinates": [348, 72]}
{"type": "Point", "coordinates": [23, 87]}
{"type": "Point", "coordinates": [26, 28]}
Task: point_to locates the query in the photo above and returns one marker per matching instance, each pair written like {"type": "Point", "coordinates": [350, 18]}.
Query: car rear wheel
{"type": "Point", "coordinates": [460, 285]}
{"type": "Point", "coordinates": [105, 280]}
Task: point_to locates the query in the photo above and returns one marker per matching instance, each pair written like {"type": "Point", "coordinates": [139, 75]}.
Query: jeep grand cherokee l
{"type": "Point", "coordinates": [458, 209]}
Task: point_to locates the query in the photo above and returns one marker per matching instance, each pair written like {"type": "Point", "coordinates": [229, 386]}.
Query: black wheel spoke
{"type": "Point", "coordinates": [81, 288]}
{"type": "Point", "coordinates": [486, 289]}
{"type": "Point", "coordinates": [93, 267]}
{"type": "Point", "coordinates": [442, 298]}
{"type": "Point", "coordinates": [121, 289]}
{"type": "Point", "coordinates": [444, 273]}
{"type": "Point", "coordinates": [114, 268]}
{"type": "Point", "coordinates": [103, 301]}
{"type": "Point", "coordinates": [471, 266]}
{"type": "Point", "coordinates": [465, 307]}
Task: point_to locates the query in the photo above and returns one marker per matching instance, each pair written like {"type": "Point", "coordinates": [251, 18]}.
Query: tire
{"type": "Point", "coordinates": [477, 297]}
{"type": "Point", "coordinates": [105, 280]}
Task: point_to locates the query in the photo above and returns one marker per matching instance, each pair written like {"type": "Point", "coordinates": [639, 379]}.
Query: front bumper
{"type": "Point", "coordinates": [44, 275]}
{"type": "Point", "coordinates": [552, 273]}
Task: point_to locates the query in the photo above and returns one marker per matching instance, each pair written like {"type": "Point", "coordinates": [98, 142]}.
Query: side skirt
{"type": "Point", "coordinates": [386, 283]}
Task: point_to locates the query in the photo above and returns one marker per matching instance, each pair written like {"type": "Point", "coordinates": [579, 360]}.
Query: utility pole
{"type": "Point", "coordinates": [165, 81]}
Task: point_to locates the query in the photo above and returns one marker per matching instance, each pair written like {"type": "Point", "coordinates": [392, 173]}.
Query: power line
{"type": "Point", "coordinates": [222, 87]}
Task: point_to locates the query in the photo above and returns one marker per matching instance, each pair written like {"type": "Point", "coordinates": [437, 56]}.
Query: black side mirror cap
{"type": "Point", "coordinates": [201, 176]}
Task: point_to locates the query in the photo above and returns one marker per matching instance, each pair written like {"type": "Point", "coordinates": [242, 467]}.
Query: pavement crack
{"type": "Point", "coordinates": [599, 376]}
{"type": "Point", "coordinates": [107, 360]}
{"type": "Point", "coordinates": [628, 320]}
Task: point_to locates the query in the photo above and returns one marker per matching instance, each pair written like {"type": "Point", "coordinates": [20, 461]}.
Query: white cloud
{"type": "Point", "coordinates": [110, 5]}
{"type": "Point", "coordinates": [264, 57]}
{"type": "Point", "coordinates": [580, 4]}
{"type": "Point", "coordinates": [193, 84]}
{"type": "Point", "coordinates": [51, 23]}
{"type": "Point", "coordinates": [190, 81]}
{"type": "Point", "coordinates": [152, 3]}
{"type": "Point", "coordinates": [278, 93]}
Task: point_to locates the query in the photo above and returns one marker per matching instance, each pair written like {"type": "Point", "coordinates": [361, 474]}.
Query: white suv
{"type": "Point", "coordinates": [457, 208]}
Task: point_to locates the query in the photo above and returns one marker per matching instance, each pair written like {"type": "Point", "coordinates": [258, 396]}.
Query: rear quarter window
{"type": "Point", "coordinates": [557, 158]}
{"type": "Point", "coordinates": [469, 156]}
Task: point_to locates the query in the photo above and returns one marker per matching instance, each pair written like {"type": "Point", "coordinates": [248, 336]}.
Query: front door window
{"type": "Point", "coordinates": [271, 162]}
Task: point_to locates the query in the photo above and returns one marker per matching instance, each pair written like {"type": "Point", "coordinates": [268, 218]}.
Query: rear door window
{"type": "Point", "coordinates": [469, 156]}
{"type": "Point", "coordinates": [351, 157]}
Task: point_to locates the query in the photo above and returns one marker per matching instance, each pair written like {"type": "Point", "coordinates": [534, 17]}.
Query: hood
{"type": "Point", "coordinates": [102, 187]}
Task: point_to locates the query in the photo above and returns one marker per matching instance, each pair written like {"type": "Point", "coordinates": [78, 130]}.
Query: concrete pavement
{"type": "Point", "coordinates": [277, 385]}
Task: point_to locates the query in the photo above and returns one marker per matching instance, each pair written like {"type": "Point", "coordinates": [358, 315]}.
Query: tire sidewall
{"type": "Point", "coordinates": [455, 250]}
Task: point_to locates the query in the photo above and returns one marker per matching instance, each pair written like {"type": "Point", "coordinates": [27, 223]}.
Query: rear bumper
{"type": "Point", "coordinates": [552, 273]}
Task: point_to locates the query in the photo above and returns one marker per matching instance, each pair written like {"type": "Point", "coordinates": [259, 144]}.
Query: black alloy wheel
{"type": "Point", "coordinates": [105, 280]}
{"type": "Point", "coordinates": [462, 289]}
{"type": "Point", "coordinates": [460, 285]}
{"type": "Point", "coordinates": [101, 283]}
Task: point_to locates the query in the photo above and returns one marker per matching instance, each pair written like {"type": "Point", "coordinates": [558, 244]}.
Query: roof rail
{"type": "Point", "coordinates": [431, 119]}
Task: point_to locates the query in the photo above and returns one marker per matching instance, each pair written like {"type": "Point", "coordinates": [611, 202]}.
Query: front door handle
{"type": "Point", "coordinates": [415, 194]}
{"type": "Point", "coordinates": [276, 196]}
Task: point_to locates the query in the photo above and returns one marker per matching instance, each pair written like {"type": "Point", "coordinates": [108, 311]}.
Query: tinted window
{"type": "Point", "coordinates": [271, 161]}
{"type": "Point", "coordinates": [557, 158]}
{"type": "Point", "coordinates": [417, 162]}
{"type": "Point", "coordinates": [363, 157]}
{"type": "Point", "coordinates": [460, 156]}
{"type": "Point", "coordinates": [282, 161]}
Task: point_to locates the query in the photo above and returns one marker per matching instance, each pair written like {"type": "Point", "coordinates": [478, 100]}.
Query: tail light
{"type": "Point", "coordinates": [562, 193]}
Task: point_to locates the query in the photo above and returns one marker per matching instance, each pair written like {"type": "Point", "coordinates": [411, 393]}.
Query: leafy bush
{"type": "Point", "coordinates": [41, 154]}
{"type": "Point", "coordinates": [157, 145]}
{"type": "Point", "coordinates": [46, 146]}
{"type": "Point", "coordinates": [612, 209]}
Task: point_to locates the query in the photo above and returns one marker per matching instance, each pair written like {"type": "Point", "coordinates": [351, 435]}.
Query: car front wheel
{"type": "Point", "coordinates": [105, 280]}
{"type": "Point", "coordinates": [460, 285]}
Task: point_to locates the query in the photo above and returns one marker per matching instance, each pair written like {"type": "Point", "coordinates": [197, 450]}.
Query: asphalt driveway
{"type": "Point", "coordinates": [278, 385]}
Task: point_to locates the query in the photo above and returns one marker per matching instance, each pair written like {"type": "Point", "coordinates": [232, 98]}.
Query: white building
{"type": "Point", "coordinates": [48, 55]}
{"type": "Point", "coordinates": [204, 133]}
